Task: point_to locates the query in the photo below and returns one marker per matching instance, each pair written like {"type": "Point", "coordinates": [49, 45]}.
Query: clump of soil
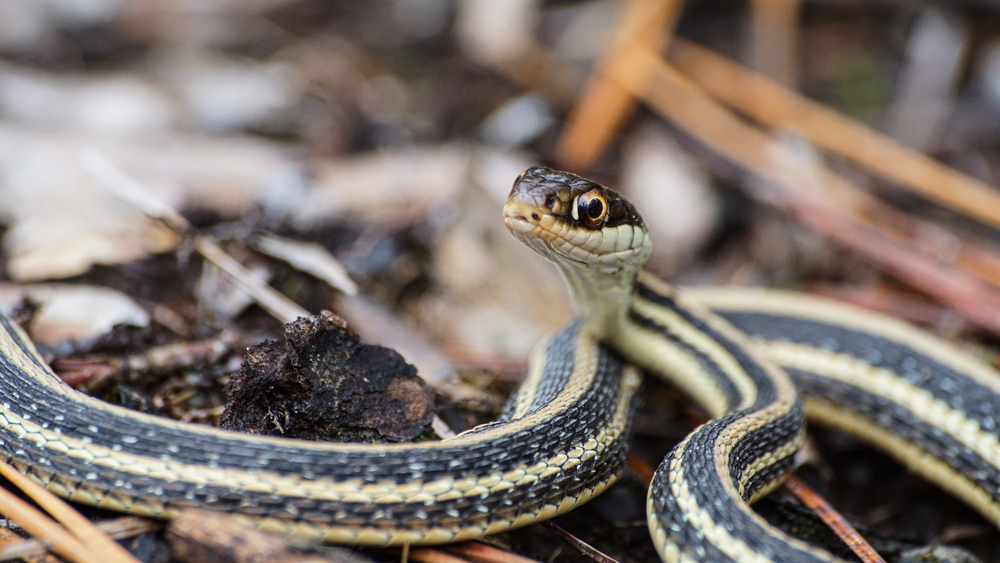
{"type": "Point", "coordinates": [323, 384]}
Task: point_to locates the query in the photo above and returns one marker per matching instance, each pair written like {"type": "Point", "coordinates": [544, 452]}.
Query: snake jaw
{"type": "Point", "coordinates": [520, 217]}
{"type": "Point", "coordinates": [537, 229]}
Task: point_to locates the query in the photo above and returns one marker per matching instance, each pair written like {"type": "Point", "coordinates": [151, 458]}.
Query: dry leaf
{"type": "Point", "coordinates": [78, 313]}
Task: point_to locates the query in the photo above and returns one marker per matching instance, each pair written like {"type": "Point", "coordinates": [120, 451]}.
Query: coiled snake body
{"type": "Point", "coordinates": [564, 435]}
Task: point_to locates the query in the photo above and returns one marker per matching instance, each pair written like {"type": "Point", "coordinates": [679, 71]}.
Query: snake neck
{"type": "Point", "coordinates": [602, 300]}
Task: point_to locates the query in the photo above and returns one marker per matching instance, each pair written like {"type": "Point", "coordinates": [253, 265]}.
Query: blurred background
{"type": "Point", "coordinates": [390, 132]}
{"type": "Point", "coordinates": [355, 156]}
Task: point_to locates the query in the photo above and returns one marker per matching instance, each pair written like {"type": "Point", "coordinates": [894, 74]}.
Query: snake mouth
{"type": "Point", "coordinates": [519, 223]}
{"type": "Point", "coordinates": [520, 217]}
{"type": "Point", "coordinates": [541, 231]}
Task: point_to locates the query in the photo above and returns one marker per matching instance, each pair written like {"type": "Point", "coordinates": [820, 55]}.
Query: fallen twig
{"type": "Point", "coordinates": [910, 307]}
{"type": "Point", "coordinates": [642, 470]}
{"type": "Point", "coordinates": [118, 528]}
{"type": "Point", "coordinates": [771, 104]}
{"type": "Point", "coordinates": [605, 104]}
{"type": "Point", "coordinates": [90, 372]}
{"type": "Point", "coordinates": [588, 551]}
{"type": "Point", "coordinates": [79, 542]}
{"type": "Point", "coordinates": [775, 32]}
{"type": "Point", "coordinates": [130, 190]}
{"type": "Point", "coordinates": [484, 553]}
{"type": "Point", "coordinates": [978, 302]}
{"type": "Point", "coordinates": [833, 520]}
{"type": "Point", "coordinates": [801, 183]}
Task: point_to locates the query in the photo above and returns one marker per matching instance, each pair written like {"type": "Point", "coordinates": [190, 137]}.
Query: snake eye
{"type": "Point", "coordinates": [519, 176]}
{"type": "Point", "coordinates": [591, 208]}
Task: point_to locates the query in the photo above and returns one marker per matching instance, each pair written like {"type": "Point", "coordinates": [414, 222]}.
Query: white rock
{"type": "Point", "coordinates": [496, 33]}
{"type": "Point", "coordinates": [517, 121]}
{"type": "Point", "coordinates": [671, 193]}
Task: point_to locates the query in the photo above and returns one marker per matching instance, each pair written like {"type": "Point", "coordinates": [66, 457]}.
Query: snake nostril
{"type": "Point", "coordinates": [535, 216]}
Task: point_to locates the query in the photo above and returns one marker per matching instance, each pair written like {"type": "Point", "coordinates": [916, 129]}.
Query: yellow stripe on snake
{"type": "Point", "coordinates": [563, 437]}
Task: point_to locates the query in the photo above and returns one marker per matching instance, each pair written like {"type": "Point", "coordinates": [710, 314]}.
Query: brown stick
{"type": "Point", "coordinates": [434, 555]}
{"type": "Point", "coordinates": [771, 104]}
{"type": "Point", "coordinates": [800, 183]}
{"type": "Point", "coordinates": [96, 541]}
{"type": "Point", "coordinates": [118, 528]}
{"type": "Point", "coordinates": [484, 553]}
{"type": "Point", "coordinates": [605, 105]}
{"type": "Point", "coordinates": [978, 302]}
{"type": "Point", "coordinates": [587, 550]}
{"type": "Point", "coordinates": [840, 526]}
{"type": "Point", "coordinates": [910, 307]}
{"type": "Point", "coordinates": [776, 38]}
{"type": "Point", "coordinates": [51, 534]}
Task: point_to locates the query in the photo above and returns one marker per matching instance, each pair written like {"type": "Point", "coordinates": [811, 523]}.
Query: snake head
{"type": "Point", "coordinates": [576, 222]}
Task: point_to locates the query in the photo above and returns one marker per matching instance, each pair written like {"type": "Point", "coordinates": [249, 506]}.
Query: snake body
{"type": "Point", "coordinates": [563, 442]}
{"type": "Point", "coordinates": [563, 437]}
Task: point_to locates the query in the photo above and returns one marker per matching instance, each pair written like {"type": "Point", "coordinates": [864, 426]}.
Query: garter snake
{"type": "Point", "coordinates": [563, 437]}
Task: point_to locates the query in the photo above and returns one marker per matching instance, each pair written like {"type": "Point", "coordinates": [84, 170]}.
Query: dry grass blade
{"type": "Point", "coordinates": [583, 547]}
{"type": "Point", "coordinates": [279, 306]}
{"type": "Point", "coordinates": [128, 526]}
{"type": "Point", "coordinates": [307, 257]}
{"type": "Point", "coordinates": [117, 528]}
{"type": "Point", "coordinates": [96, 541]}
{"type": "Point", "coordinates": [130, 190]}
{"type": "Point", "coordinates": [833, 520]}
{"type": "Point", "coordinates": [484, 553]}
{"type": "Point", "coordinates": [59, 540]}
{"type": "Point", "coordinates": [771, 104]}
{"type": "Point", "coordinates": [605, 105]}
